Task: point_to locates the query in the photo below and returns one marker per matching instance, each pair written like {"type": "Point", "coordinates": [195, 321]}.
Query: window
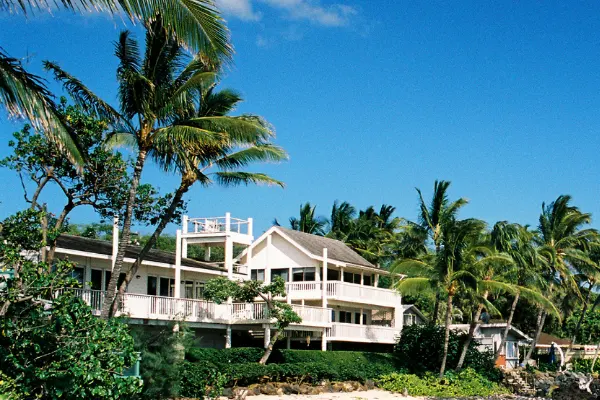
{"type": "Point", "coordinates": [346, 317]}
{"type": "Point", "coordinates": [166, 287]}
{"type": "Point", "coordinates": [107, 275]}
{"type": "Point", "coordinates": [357, 279]}
{"type": "Point", "coordinates": [332, 315]}
{"type": "Point", "coordinates": [348, 277]}
{"type": "Point", "coordinates": [303, 274]}
{"type": "Point", "coordinates": [410, 319]}
{"type": "Point", "coordinates": [79, 274]}
{"type": "Point", "coordinates": [511, 350]}
{"type": "Point", "coordinates": [96, 279]}
{"type": "Point", "coordinates": [199, 290]}
{"type": "Point", "coordinates": [357, 318]}
{"type": "Point", "coordinates": [282, 273]}
{"type": "Point", "coordinates": [257, 275]}
{"type": "Point", "coordinates": [152, 286]}
{"type": "Point", "coordinates": [364, 318]}
{"type": "Point", "coordinates": [189, 290]}
{"type": "Point", "coordinates": [333, 275]}
{"type": "Point", "coordinates": [368, 281]}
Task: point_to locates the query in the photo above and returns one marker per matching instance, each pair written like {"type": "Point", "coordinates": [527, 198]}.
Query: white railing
{"type": "Point", "coordinates": [218, 225]}
{"type": "Point", "coordinates": [343, 291]}
{"type": "Point", "coordinates": [364, 333]}
{"type": "Point", "coordinates": [169, 308]}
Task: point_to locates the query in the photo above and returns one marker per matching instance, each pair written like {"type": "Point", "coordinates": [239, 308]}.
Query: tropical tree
{"type": "Point", "coordinates": [246, 143]}
{"type": "Point", "coordinates": [341, 221]}
{"type": "Point", "coordinates": [154, 92]}
{"type": "Point", "coordinates": [308, 222]}
{"type": "Point", "coordinates": [563, 242]}
{"type": "Point", "coordinates": [196, 23]}
{"type": "Point", "coordinates": [444, 270]}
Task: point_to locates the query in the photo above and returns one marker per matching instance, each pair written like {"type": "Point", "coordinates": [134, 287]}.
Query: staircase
{"type": "Point", "coordinates": [517, 384]}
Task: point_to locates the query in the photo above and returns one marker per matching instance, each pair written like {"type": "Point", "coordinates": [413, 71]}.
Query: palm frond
{"type": "Point", "coordinates": [414, 286]}
{"type": "Point", "coordinates": [240, 130]}
{"type": "Point", "coordinates": [236, 178]}
{"type": "Point", "coordinates": [244, 157]}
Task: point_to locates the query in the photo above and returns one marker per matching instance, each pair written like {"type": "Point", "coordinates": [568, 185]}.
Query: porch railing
{"type": "Point", "coordinates": [365, 333]}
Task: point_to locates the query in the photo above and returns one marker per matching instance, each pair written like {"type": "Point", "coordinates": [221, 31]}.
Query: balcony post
{"type": "Point", "coordinates": [288, 341]}
{"type": "Point", "coordinates": [248, 261]}
{"type": "Point", "coordinates": [324, 340]}
{"type": "Point", "coordinates": [268, 264]}
{"type": "Point", "coordinates": [362, 278]}
{"type": "Point", "coordinates": [250, 226]}
{"type": "Point", "coordinates": [267, 336]}
{"type": "Point", "coordinates": [177, 289]}
{"type": "Point", "coordinates": [227, 222]}
{"type": "Point", "coordinates": [376, 280]}
{"type": "Point", "coordinates": [324, 279]}
{"type": "Point", "coordinates": [115, 241]}
{"type": "Point", "coordinates": [229, 257]}
{"type": "Point", "coordinates": [228, 337]}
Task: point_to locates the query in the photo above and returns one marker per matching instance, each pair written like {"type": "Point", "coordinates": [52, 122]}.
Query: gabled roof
{"type": "Point", "coordinates": [412, 307]}
{"type": "Point", "coordinates": [336, 250]}
{"type": "Point", "coordinates": [104, 247]}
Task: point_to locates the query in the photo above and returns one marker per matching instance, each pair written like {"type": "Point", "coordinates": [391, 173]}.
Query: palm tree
{"type": "Point", "coordinates": [247, 144]}
{"type": "Point", "coordinates": [342, 220]}
{"type": "Point", "coordinates": [528, 266]}
{"type": "Point", "coordinates": [196, 23]}
{"type": "Point", "coordinates": [562, 241]}
{"type": "Point", "coordinates": [445, 269]}
{"type": "Point", "coordinates": [432, 218]}
{"type": "Point", "coordinates": [308, 222]}
{"type": "Point", "coordinates": [154, 92]}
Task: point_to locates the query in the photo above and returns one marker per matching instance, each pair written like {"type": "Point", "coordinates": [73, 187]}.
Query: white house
{"type": "Point", "coordinates": [333, 289]}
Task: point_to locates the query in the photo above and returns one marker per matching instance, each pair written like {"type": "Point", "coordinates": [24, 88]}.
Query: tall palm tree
{"type": "Point", "coordinates": [528, 266]}
{"type": "Point", "coordinates": [342, 220]}
{"type": "Point", "coordinates": [219, 164]}
{"type": "Point", "coordinates": [445, 269]}
{"type": "Point", "coordinates": [432, 218]}
{"type": "Point", "coordinates": [563, 241]}
{"type": "Point", "coordinates": [308, 222]}
{"type": "Point", "coordinates": [154, 92]}
{"type": "Point", "coordinates": [197, 24]}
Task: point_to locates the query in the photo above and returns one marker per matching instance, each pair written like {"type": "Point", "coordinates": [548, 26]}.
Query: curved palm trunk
{"type": "Point", "coordinates": [269, 349]}
{"type": "Point", "coordinates": [436, 309]}
{"type": "Point", "coordinates": [164, 221]}
{"type": "Point", "coordinates": [463, 353]}
{"type": "Point", "coordinates": [579, 322]}
{"type": "Point", "coordinates": [513, 307]}
{"type": "Point", "coordinates": [541, 319]}
{"type": "Point", "coordinates": [447, 335]}
{"type": "Point", "coordinates": [110, 297]}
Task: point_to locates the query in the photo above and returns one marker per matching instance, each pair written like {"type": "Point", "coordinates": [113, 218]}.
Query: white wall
{"type": "Point", "coordinates": [281, 254]}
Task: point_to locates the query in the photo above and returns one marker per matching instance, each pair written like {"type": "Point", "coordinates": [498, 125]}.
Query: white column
{"type": "Point", "coordinates": [207, 253]}
{"type": "Point", "coordinates": [115, 241]}
{"type": "Point", "coordinates": [184, 248]}
{"type": "Point", "coordinates": [268, 266]}
{"type": "Point", "coordinates": [229, 257]}
{"type": "Point", "coordinates": [177, 285]}
{"type": "Point", "coordinates": [250, 226]}
{"type": "Point", "coordinates": [267, 336]}
{"type": "Point", "coordinates": [228, 337]}
{"type": "Point", "coordinates": [248, 261]}
{"type": "Point", "coordinates": [342, 274]}
{"type": "Point", "coordinates": [361, 318]}
{"type": "Point", "coordinates": [324, 340]}
{"type": "Point", "coordinates": [376, 280]}
{"type": "Point", "coordinates": [362, 278]}
{"type": "Point", "coordinates": [227, 222]}
{"type": "Point", "coordinates": [324, 279]}
{"type": "Point", "coordinates": [184, 224]}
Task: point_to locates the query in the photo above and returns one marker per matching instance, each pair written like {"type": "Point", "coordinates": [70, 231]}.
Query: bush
{"type": "Point", "coordinates": [201, 380]}
{"type": "Point", "coordinates": [427, 341]}
{"type": "Point", "coordinates": [466, 383]}
{"type": "Point", "coordinates": [239, 355]}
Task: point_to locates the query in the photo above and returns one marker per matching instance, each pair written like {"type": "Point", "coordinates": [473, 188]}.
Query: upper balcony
{"type": "Point", "coordinates": [215, 229]}
{"type": "Point", "coordinates": [344, 291]}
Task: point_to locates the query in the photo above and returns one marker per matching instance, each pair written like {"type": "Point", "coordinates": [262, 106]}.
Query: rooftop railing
{"type": "Point", "coordinates": [212, 225]}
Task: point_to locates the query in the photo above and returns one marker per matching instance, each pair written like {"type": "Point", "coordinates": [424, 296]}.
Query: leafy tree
{"type": "Point", "coordinates": [196, 23]}
{"type": "Point", "coordinates": [221, 289]}
{"type": "Point", "coordinates": [45, 327]}
{"type": "Point", "coordinates": [156, 94]}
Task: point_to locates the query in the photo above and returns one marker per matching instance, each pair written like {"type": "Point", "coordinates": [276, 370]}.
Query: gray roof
{"type": "Point", "coordinates": [336, 250]}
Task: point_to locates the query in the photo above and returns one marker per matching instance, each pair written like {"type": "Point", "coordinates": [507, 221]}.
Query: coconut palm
{"type": "Point", "coordinates": [562, 241]}
{"type": "Point", "coordinates": [196, 23]}
{"type": "Point", "coordinates": [222, 164]}
{"type": "Point", "coordinates": [432, 218]}
{"type": "Point", "coordinates": [342, 220]}
{"type": "Point", "coordinates": [308, 222]}
{"type": "Point", "coordinates": [445, 270]}
{"type": "Point", "coordinates": [154, 92]}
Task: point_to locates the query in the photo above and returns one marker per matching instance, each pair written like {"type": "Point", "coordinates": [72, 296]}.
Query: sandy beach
{"type": "Point", "coordinates": [366, 395]}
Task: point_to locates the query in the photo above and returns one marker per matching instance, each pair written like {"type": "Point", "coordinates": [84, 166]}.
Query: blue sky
{"type": "Point", "coordinates": [372, 99]}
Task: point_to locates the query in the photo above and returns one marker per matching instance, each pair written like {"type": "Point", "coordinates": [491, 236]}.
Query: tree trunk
{"type": "Point", "coordinates": [57, 226]}
{"type": "Point", "coordinates": [513, 307]}
{"type": "Point", "coordinates": [38, 191]}
{"type": "Point", "coordinates": [463, 353]}
{"type": "Point", "coordinates": [595, 358]}
{"type": "Point", "coordinates": [436, 308]}
{"type": "Point", "coordinates": [447, 335]}
{"type": "Point", "coordinates": [164, 221]}
{"type": "Point", "coordinates": [540, 325]}
{"type": "Point", "coordinates": [579, 322]}
{"type": "Point", "coordinates": [110, 296]}
{"type": "Point", "coordinates": [269, 348]}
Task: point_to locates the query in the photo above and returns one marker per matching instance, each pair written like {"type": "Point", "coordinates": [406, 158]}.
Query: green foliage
{"type": "Point", "coordinates": [466, 383]}
{"type": "Point", "coordinates": [236, 355]}
{"type": "Point", "coordinates": [201, 380]}
{"type": "Point", "coordinates": [427, 341]}
{"type": "Point", "coordinates": [51, 344]}
{"type": "Point", "coordinates": [589, 331]}
{"type": "Point", "coordinates": [585, 365]}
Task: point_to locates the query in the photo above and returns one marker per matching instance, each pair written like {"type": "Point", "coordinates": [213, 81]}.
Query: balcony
{"type": "Point", "coordinates": [362, 333]}
{"type": "Point", "coordinates": [202, 229]}
{"type": "Point", "coordinates": [190, 310]}
{"type": "Point", "coordinates": [344, 291]}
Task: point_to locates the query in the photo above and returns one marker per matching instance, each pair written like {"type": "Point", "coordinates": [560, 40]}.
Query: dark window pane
{"type": "Point", "coordinates": [96, 279]}
{"type": "Point", "coordinates": [309, 274]}
{"type": "Point", "coordinates": [348, 277]}
{"type": "Point", "coordinates": [164, 287]}
{"type": "Point", "coordinates": [79, 274]}
{"type": "Point", "coordinates": [298, 274]}
{"type": "Point", "coordinates": [257, 275]}
{"type": "Point", "coordinates": [357, 279]}
{"type": "Point", "coordinates": [152, 286]}
{"type": "Point", "coordinates": [332, 315]}
{"type": "Point", "coordinates": [364, 319]}
{"type": "Point", "coordinates": [107, 275]}
{"type": "Point", "coordinates": [282, 273]}
{"type": "Point", "coordinates": [121, 279]}
{"type": "Point", "coordinates": [333, 275]}
{"type": "Point", "coordinates": [368, 281]}
{"type": "Point", "coordinates": [357, 318]}
{"type": "Point", "coordinates": [199, 290]}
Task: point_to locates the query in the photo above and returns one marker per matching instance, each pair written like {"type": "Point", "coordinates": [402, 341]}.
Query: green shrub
{"type": "Point", "coordinates": [236, 355]}
{"type": "Point", "coordinates": [201, 380]}
{"type": "Point", "coordinates": [466, 383]}
{"type": "Point", "coordinates": [427, 341]}
{"type": "Point", "coordinates": [584, 365]}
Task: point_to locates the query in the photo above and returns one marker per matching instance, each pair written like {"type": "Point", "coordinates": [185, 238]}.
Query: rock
{"type": "Point", "coordinates": [369, 384]}
{"type": "Point", "coordinates": [268, 388]}
{"type": "Point", "coordinates": [254, 389]}
{"type": "Point", "coordinates": [228, 392]}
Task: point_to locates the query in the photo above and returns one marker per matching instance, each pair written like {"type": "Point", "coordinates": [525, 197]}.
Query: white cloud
{"type": "Point", "coordinates": [309, 10]}
{"type": "Point", "coordinates": [313, 11]}
{"type": "Point", "coordinates": [241, 9]}
{"type": "Point", "coordinates": [262, 41]}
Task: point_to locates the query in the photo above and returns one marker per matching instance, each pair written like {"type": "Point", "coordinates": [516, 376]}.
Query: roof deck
{"type": "Point", "coordinates": [216, 229]}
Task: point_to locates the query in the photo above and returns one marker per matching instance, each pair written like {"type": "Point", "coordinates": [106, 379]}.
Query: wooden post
{"type": "Point", "coordinates": [268, 266]}
{"type": "Point", "coordinates": [177, 289]}
{"type": "Point", "coordinates": [324, 340]}
{"type": "Point", "coordinates": [267, 336]}
{"type": "Point", "coordinates": [376, 281]}
{"type": "Point", "coordinates": [324, 279]}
